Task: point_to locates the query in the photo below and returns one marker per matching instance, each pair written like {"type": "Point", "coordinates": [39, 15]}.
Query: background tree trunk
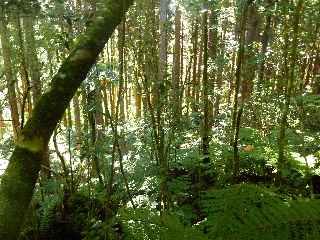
{"type": "Point", "coordinates": [10, 77]}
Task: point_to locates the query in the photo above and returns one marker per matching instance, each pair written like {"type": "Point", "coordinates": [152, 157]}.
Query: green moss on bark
{"type": "Point", "coordinates": [18, 182]}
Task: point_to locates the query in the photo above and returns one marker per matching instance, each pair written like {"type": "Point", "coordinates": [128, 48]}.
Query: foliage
{"type": "Point", "coordinates": [251, 212]}
{"type": "Point", "coordinates": [146, 224]}
{"type": "Point", "coordinates": [310, 110]}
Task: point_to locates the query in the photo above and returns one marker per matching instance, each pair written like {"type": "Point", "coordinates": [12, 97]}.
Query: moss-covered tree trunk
{"type": "Point", "coordinates": [17, 184]}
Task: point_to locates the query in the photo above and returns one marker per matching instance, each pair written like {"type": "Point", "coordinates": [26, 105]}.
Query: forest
{"type": "Point", "coordinates": [159, 119]}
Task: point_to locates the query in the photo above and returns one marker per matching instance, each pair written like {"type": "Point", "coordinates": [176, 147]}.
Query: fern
{"type": "Point", "coordinates": [49, 204]}
{"type": "Point", "coordinates": [252, 212]}
{"type": "Point", "coordinates": [142, 223]}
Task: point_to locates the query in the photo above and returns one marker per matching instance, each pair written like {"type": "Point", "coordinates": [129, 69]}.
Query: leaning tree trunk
{"type": "Point", "coordinates": [17, 184]}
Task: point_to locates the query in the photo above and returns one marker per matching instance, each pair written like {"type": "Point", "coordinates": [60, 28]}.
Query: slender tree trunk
{"type": "Point", "coordinates": [236, 115]}
{"type": "Point", "coordinates": [95, 134]}
{"type": "Point", "coordinates": [138, 99]}
{"type": "Point", "coordinates": [26, 96]}
{"type": "Point", "coordinates": [265, 43]}
{"type": "Point", "coordinates": [77, 118]}
{"type": "Point", "coordinates": [31, 55]}
{"type": "Point", "coordinates": [176, 70]}
{"type": "Point", "coordinates": [212, 55]}
{"type": "Point", "coordinates": [205, 90]}
{"type": "Point", "coordinates": [282, 158]}
{"type": "Point", "coordinates": [121, 43]}
{"type": "Point", "coordinates": [10, 77]}
{"type": "Point", "coordinates": [194, 65]}
{"type": "Point", "coordinates": [199, 73]}
{"type": "Point", "coordinates": [162, 72]}
{"type": "Point", "coordinates": [2, 124]}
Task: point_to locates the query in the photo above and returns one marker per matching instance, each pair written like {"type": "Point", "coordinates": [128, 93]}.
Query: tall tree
{"type": "Point", "coordinates": [160, 101]}
{"type": "Point", "coordinates": [205, 131]}
{"type": "Point", "coordinates": [194, 64]}
{"type": "Point", "coordinates": [121, 48]}
{"type": "Point", "coordinates": [176, 70]}
{"type": "Point", "coordinates": [290, 79]}
{"type": "Point", "coordinates": [32, 57]}
{"type": "Point", "coordinates": [18, 182]}
{"type": "Point", "coordinates": [237, 111]}
{"type": "Point", "coordinates": [9, 74]}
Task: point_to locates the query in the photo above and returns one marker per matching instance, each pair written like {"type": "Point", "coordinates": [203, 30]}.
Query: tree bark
{"type": "Point", "coordinates": [205, 133]}
{"type": "Point", "coordinates": [121, 43]}
{"type": "Point", "coordinates": [236, 115]}
{"type": "Point", "coordinates": [18, 182]}
{"type": "Point", "coordinates": [176, 71]}
{"type": "Point", "coordinates": [159, 103]}
{"type": "Point", "coordinates": [282, 158]}
{"type": "Point", "coordinates": [32, 58]}
{"type": "Point", "coordinates": [10, 77]}
{"type": "Point", "coordinates": [194, 65]}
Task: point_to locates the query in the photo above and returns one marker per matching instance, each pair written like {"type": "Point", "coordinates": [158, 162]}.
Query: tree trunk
{"type": "Point", "coordinates": [121, 42]}
{"type": "Point", "coordinates": [236, 115]}
{"type": "Point", "coordinates": [26, 97]}
{"type": "Point", "coordinates": [32, 58]}
{"type": "Point", "coordinates": [159, 102]}
{"type": "Point", "coordinates": [2, 125]}
{"type": "Point", "coordinates": [194, 65]}
{"type": "Point", "coordinates": [10, 77]}
{"type": "Point", "coordinates": [176, 71]}
{"type": "Point", "coordinates": [205, 90]}
{"type": "Point", "coordinates": [77, 118]}
{"type": "Point", "coordinates": [282, 158]}
{"type": "Point", "coordinates": [19, 180]}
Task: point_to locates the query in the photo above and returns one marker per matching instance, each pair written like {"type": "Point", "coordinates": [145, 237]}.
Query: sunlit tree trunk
{"type": "Point", "coordinates": [265, 42]}
{"type": "Point", "coordinates": [205, 131]}
{"type": "Point", "coordinates": [236, 111]}
{"type": "Point", "coordinates": [159, 103]}
{"type": "Point", "coordinates": [176, 70]}
{"type": "Point", "coordinates": [10, 77]}
{"type": "Point", "coordinates": [32, 58]}
{"type": "Point", "coordinates": [77, 118]}
{"type": "Point", "coordinates": [121, 43]}
{"type": "Point", "coordinates": [212, 55]}
{"type": "Point", "coordinates": [138, 98]}
{"type": "Point", "coordinates": [95, 128]}
{"type": "Point", "coordinates": [2, 124]}
{"type": "Point", "coordinates": [282, 158]}
{"type": "Point", "coordinates": [194, 65]}
{"type": "Point", "coordinates": [26, 103]}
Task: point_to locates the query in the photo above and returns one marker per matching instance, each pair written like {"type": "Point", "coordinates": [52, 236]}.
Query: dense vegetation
{"type": "Point", "coordinates": [159, 119]}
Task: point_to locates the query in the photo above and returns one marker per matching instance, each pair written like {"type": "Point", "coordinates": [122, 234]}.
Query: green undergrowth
{"type": "Point", "coordinates": [251, 212]}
